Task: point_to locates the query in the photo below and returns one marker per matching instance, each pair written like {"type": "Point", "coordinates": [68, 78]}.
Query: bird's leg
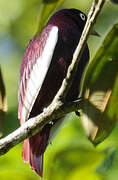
{"type": "Point", "coordinates": [77, 112]}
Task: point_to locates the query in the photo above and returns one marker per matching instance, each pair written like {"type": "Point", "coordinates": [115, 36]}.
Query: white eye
{"type": "Point", "coordinates": [82, 16]}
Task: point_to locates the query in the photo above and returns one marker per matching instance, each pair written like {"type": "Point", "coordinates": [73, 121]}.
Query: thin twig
{"type": "Point", "coordinates": [57, 108]}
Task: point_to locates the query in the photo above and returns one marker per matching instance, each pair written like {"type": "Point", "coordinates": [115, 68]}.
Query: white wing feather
{"type": "Point", "coordinates": [38, 73]}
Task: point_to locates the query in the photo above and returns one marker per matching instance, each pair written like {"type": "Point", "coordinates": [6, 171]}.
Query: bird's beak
{"type": "Point", "coordinates": [93, 32]}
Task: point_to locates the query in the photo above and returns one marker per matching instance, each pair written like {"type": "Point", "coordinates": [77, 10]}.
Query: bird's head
{"type": "Point", "coordinates": [75, 16]}
{"type": "Point", "coordinates": [79, 18]}
{"type": "Point", "coordinates": [70, 16]}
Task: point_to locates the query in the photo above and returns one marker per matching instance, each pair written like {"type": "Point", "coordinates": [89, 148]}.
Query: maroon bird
{"type": "Point", "coordinates": [43, 69]}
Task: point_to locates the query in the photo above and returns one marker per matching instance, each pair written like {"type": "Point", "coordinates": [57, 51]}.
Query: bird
{"type": "Point", "coordinates": [43, 68]}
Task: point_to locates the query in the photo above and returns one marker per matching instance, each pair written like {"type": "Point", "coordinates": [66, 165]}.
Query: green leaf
{"type": "Point", "coordinates": [3, 103]}
{"type": "Point", "coordinates": [100, 90]}
{"type": "Point", "coordinates": [48, 6]}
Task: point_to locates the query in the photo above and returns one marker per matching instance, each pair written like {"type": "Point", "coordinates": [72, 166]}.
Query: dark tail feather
{"type": "Point", "coordinates": [36, 163]}
{"type": "Point", "coordinates": [38, 145]}
{"type": "Point", "coordinates": [34, 148]}
{"type": "Point", "coordinates": [36, 160]}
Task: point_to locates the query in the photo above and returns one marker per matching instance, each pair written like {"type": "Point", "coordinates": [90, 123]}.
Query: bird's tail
{"type": "Point", "coordinates": [33, 150]}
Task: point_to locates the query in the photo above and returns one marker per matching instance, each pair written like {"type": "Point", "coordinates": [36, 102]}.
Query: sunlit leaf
{"type": "Point", "coordinates": [48, 6]}
{"type": "Point", "coordinates": [100, 90]}
{"type": "Point", "coordinates": [3, 103]}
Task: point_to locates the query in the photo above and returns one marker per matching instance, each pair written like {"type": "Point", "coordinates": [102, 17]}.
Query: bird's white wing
{"type": "Point", "coordinates": [34, 69]}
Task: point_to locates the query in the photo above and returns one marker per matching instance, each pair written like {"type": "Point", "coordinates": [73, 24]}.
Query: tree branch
{"type": "Point", "coordinates": [34, 125]}
{"type": "Point", "coordinates": [57, 108]}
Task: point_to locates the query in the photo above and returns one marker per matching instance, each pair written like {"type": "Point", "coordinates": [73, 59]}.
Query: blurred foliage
{"type": "Point", "coordinates": [3, 102]}
{"type": "Point", "coordinates": [71, 155]}
{"type": "Point", "coordinates": [48, 6]}
{"type": "Point", "coordinates": [74, 163]}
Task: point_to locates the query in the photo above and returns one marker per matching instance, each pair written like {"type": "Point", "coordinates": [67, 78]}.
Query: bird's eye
{"type": "Point", "coordinates": [82, 16]}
